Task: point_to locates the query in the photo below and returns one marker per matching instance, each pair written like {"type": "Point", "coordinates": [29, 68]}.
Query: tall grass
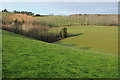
{"type": "Point", "coordinates": [39, 27]}
{"type": "Point", "coordinates": [28, 26]}
{"type": "Point", "coordinates": [89, 19]}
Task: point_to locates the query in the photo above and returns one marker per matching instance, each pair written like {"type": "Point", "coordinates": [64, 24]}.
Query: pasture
{"type": "Point", "coordinates": [102, 39]}
{"type": "Point", "coordinates": [24, 57]}
{"type": "Point", "coordinates": [89, 19]}
{"type": "Point", "coordinates": [88, 51]}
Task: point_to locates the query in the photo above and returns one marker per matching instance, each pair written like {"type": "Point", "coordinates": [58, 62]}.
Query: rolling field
{"type": "Point", "coordinates": [102, 39]}
{"type": "Point", "coordinates": [89, 19]}
{"type": "Point", "coordinates": [24, 57]}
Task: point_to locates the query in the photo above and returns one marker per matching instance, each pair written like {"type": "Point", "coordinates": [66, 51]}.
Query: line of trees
{"type": "Point", "coordinates": [5, 10]}
{"type": "Point", "coordinates": [19, 12]}
{"type": "Point", "coordinates": [23, 12]}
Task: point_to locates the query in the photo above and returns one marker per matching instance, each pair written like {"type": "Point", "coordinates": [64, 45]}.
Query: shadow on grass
{"type": "Point", "coordinates": [70, 45]}
{"type": "Point", "coordinates": [85, 48]}
{"type": "Point", "coordinates": [73, 35]}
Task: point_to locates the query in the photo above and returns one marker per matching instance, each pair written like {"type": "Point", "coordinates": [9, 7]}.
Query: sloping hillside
{"type": "Point", "coordinates": [24, 57]}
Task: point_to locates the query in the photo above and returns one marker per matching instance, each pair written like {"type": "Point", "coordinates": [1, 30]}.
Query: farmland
{"type": "Point", "coordinates": [88, 19]}
{"type": "Point", "coordinates": [94, 38]}
{"type": "Point", "coordinates": [24, 57]}
{"type": "Point", "coordinates": [30, 46]}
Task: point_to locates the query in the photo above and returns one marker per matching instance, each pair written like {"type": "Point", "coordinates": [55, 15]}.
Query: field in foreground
{"type": "Point", "coordinates": [28, 58]}
{"type": "Point", "coordinates": [102, 39]}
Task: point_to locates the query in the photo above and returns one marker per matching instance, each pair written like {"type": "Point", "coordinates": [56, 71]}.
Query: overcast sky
{"type": "Point", "coordinates": [59, 0]}
{"type": "Point", "coordinates": [63, 8]}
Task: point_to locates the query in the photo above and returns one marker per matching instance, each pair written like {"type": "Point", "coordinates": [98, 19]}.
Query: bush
{"type": "Point", "coordinates": [42, 33]}
{"type": "Point", "coordinates": [17, 26]}
{"type": "Point", "coordinates": [63, 33]}
{"type": "Point", "coordinates": [28, 26]}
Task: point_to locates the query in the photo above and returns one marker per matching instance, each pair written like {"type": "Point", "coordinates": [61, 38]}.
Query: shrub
{"type": "Point", "coordinates": [41, 33]}
{"type": "Point", "coordinates": [17, 26]}
{"type": "Point", "coordinates": [28, 26]}
{"type": "Point", "coordinates": [63, 33]}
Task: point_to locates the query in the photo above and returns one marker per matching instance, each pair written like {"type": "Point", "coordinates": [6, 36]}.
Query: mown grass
{"type": "Point", "coordinates": [24, 57]}
{"type": "Point", "coordinates": [95, 38]}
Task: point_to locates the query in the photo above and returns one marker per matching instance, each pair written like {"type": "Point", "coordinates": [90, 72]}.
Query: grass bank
{"type": "Point", "coordinates": [24, 57]}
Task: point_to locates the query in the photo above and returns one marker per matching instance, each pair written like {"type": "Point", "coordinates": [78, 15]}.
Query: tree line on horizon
{"type": "Point", "coordinates": [33, 14]}
{"type": "Point", "coordinates": [21, 12]}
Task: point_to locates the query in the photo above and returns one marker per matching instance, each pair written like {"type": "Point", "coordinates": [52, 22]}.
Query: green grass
{"type": "Point", "coordinates": [102, 39]}
{"type": "Point", "coordinates": [24, 57]}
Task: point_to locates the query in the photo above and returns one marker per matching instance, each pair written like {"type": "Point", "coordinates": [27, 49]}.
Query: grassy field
{"type": "Point", "coordinates": [88, 52]}
{"type": "Point", "coordinates": [24, 57]}
{"type": "Point", "coordinates": [102, 39]}
{"type": "Point", "coordinates": [88, 19]}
